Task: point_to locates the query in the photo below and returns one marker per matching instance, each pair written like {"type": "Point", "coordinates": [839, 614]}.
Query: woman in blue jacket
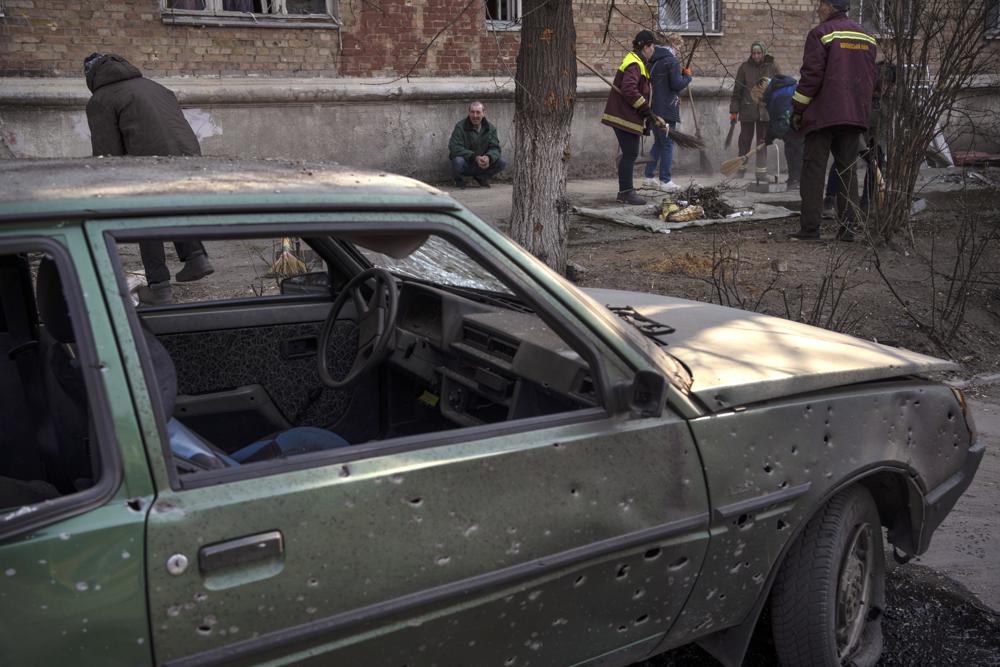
{"type": "Point", "coordinates": [668, 79]}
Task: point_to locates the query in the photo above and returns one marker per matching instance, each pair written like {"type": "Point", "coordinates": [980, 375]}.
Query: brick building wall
{"type": "Point", "coordinates": [50, 38]}
{"type": "Point", "coordinates": [40, 38]}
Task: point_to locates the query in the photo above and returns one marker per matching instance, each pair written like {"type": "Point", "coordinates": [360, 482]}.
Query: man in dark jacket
{"type": "Point", "coordinates": [831, 106]}
{"type": "Point", "coordinates": [667, 79]}
{"type": "Point", "coordinates": [474, 149]}
{"type": "Point", "coordinates": [131, 115]}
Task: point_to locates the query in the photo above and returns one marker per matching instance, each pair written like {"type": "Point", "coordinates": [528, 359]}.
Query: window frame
{"type": "Point", "coordinates": [213, 14]}
{"type": "Point", "coordinates": [713, 29]}
{"type": "Point", "coordinates": [501, 25]}
{"type": "Point", "coordinates": [993, 19]}
{"type": "Point", "coordinates": [105, 441]}
{"type": "Point", "coordinates": [877, 25]}
{"type": "Point", "coordinates": [595, 355]}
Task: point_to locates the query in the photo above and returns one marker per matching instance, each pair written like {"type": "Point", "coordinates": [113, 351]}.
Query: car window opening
{"type": "Point", "coordinates": [47, 447]}
{"type": "Point", "coordinates": [424, 340]}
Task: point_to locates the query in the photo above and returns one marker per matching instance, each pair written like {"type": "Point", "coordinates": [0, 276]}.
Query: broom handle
{"type": "Point", "coordinates": [694, 116]}
{"type": "Point", "coordinates": [691, 55]}
{"type": "Point", "coordinates": [585, 64]}
{"type": "Point", "coordinates": [748, 155]}
{"type": "Point", "coordinates": [617, 89]}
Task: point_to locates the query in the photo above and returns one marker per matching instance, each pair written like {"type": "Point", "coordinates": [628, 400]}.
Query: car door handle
{"type": "Point", "coordinates": [241, 551]}
{"type": "Point", "coordinates": [296, 348]}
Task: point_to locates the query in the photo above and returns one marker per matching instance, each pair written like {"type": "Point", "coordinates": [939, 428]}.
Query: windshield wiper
{"type": "Point", "coordinates": [647, 327]}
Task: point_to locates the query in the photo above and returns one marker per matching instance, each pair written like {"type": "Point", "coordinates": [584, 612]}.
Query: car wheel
{"type": "Point", "coordinates": [826, 606]}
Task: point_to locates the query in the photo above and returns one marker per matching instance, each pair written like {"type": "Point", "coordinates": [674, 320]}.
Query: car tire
{"type": "Point", "coordinates": [827, 601]}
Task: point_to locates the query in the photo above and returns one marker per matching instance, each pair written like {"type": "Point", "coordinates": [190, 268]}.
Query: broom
{"type": "Point", "coordinates": [681, 139]}
{"type": "Point", "coordinates": [733, 165]}
{"type": "Point", "coordinates": [287, 264]}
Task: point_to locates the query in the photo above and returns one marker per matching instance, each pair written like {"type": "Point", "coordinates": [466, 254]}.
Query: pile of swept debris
{"type": "Point", "coordinates": [692, 206]}
{"type": "Point", "coordinates": [696, 203]}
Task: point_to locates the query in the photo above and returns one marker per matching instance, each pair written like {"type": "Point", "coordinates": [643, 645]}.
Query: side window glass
{"type": "Point", "coordinates": [46, 448]}
{"type": "Point", "coordinates": [191, 271]}
{"type": "Point", "coordinates": [422, 339]}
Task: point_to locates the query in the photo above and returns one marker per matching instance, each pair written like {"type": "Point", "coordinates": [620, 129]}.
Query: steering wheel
{"type": "Point", "coordinates": [376, 323]}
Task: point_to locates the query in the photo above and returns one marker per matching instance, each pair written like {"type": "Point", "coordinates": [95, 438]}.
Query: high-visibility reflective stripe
{"type": "Point", "coordinates": [621, 121]}
{"type": "Point", "coordinates": [639, 102]}
{"type": "Point", "coordinates": [800, 98]}
{"type": "Point", "coordinates": [632, 58]}
{"type": "Point", "coordinates": [847, 34]}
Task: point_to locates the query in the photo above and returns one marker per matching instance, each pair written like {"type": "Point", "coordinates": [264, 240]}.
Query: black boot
{"type": "Point", "coordinates": [195, 268]}
{"type": "Point", "coordinates": [630, 197]}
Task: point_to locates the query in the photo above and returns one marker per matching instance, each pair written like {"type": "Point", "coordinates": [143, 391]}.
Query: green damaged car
{"type": "Point", "coordinates": [366, 428]}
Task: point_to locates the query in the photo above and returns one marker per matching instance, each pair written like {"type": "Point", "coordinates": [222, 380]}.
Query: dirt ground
{"type": "Point", "coordinates": [831, 284]}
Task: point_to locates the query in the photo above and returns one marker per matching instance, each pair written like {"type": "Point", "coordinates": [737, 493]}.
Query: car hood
{"type": "Point", "coordinates": [737, 357]}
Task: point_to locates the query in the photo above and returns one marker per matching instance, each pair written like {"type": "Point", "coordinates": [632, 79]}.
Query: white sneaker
{"type": "Point", "coordinates": [650, 183]}
{"type": "Point", "coordinates": [669, 186]}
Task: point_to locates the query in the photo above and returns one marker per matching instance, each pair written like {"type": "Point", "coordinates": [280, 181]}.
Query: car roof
{"type": "Point", "coordinates": [117, 186]}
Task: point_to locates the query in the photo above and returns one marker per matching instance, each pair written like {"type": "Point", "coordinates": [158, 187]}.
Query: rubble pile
{"type": "Point", "coordinates": [694, 203]}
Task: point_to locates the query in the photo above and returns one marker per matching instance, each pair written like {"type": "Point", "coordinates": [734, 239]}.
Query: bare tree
{"type": "Point", "coordinates": [543, 110]}
{"type": "Point", "coordinates": [936, 50]}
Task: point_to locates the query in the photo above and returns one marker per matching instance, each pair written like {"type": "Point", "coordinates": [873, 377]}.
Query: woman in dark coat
{"type": "Point", "coordinates": [668, 80]}
{"type": "Point", "coordinates": [752, 114]}
{"type": "Point", "coordinates": [628, 110]}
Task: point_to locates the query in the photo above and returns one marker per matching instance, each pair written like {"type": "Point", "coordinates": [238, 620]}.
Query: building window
{"type": "Point", "coordinates": [303, 13]}
{"type": "Point", "coordinates": [993, 18]}
{"type": "Point", "coordinates": [695, 16]}
{"type": "Point", "coordinates": [877, 15]}
{"type": "Point", "coordinates": [503, 14]}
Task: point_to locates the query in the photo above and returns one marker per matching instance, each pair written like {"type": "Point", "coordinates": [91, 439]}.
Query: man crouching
{"type": "Point", "coordinates": [474, 149]}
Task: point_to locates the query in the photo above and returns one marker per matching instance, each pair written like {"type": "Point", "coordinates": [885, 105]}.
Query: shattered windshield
{"type": "Point", "coordinates": [438, 262]}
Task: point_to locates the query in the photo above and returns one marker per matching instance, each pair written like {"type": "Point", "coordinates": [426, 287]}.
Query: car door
{"type": "Point", "coordinates": [74, 483]}
{"type": "Point", "coordinates": [546, 540]}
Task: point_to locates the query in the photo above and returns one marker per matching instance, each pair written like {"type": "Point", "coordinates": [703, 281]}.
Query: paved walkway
{"type": "Point", "coordinates": [494, 204]}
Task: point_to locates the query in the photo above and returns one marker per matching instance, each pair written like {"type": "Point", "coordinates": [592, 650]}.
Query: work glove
{"type": "Point", "coordinates": [796, 121]}
{"type": "Point", "coordinates": [732, 119]}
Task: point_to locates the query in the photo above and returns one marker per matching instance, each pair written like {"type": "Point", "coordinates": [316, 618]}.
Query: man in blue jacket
{"type": "Point", "coordinates": [831, 106]}
{"type": "Point", "coordinates": [778, 101]}
{"type": "Point", "coordinates": [667, 79]}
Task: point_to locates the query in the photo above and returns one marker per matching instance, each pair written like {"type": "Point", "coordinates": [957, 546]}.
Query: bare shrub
{"type": "Point", "coordinates": [936, 51]}
{"type": "Point", "coordinates": [952, 278]}
{"type": "Point", "coordinates": [823, 304]}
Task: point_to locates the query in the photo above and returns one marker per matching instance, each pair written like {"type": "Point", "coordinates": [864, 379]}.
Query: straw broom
{"type": "Point", "coordinates": [287, 264]}
{"type": "Point", "coordinates": [733, 165]}
{"type": "Point", "coordinates": [679, 138]}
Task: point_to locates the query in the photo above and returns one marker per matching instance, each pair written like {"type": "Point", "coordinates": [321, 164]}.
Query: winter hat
{"type": "Point", "coordinates": [89, 61]}
{"type": "Point", "coordinates": [842, 5]}
{"type": "Point", "coordinates": [642, 39]}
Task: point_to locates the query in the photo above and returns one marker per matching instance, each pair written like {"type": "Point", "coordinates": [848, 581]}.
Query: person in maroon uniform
{"type": "Point", "coordinates": [628, 111]}
{"type": "Point", "coordinates": [831, 107]}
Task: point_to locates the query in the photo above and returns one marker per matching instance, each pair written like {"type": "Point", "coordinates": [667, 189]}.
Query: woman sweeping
{"type": "Point", "coordinates": [751, 113]}
{"type": "Point", "coordinates": [628, 112]}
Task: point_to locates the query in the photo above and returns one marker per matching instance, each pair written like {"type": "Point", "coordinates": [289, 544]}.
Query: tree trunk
{"type": "Point", "coordinates": [543, 111]}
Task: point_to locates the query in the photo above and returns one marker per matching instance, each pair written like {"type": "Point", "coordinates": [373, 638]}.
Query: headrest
{"type": "Point", "coordinates": [52, 303]}
{"type": "Point", "coordinates": [165, 373]}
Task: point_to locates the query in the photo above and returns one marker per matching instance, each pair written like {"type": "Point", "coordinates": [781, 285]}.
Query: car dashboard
{"type": "Point", "coordinates": [482, 363]}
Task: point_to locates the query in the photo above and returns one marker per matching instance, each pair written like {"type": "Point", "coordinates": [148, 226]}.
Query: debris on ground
{"type": "Point", "coordinates": [709, 198]}
{"type": "Point", "coordinates": [677, 212]}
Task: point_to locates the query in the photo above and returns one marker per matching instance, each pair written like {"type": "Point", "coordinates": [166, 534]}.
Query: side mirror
{"type": "Point", "coordinates": [317, 282]}
{"type": "Point", "coordinates": [646, 395]}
